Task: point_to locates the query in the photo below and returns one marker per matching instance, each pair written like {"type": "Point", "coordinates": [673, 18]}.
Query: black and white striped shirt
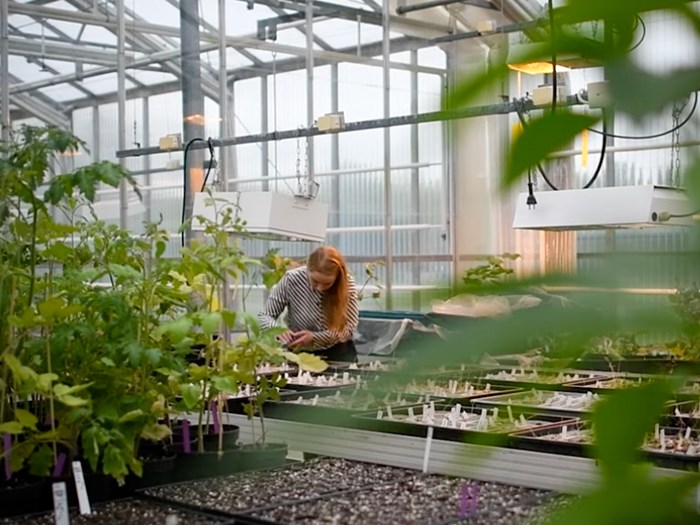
{"type": "Point", "coordinates": [304, 312]}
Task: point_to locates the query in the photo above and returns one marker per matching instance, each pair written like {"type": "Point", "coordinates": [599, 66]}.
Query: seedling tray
{"type": "Point", "coordinates": [681, 450]}
{"type": "Point", "coordinates": [444, 387]}
{"type": "Point", "coordinates": [576, 404]}
{"type": "Point", "coordinates": [335, 407]}
{"type": "Point", "coordinates": [453, 422]}
{"type": "Point", "coordinates": [334, 380]}
{"type": "Point", "coordinates": [524, 378]}
{"type": "Point", "coordinates": [572, 438]}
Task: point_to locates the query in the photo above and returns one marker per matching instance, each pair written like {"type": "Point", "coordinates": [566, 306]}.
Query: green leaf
{"type": "Point", "coordinates": [306, 361]}
{"type": "Point", "coordinates": [51, 307]}
{"type": "Point", "coordinates": [113, 462]}
{"type": "Point", "coordinates": [131, 416]}
{"type": "Point", "coordinates": [177, 329]}
{"type": "Point", "coordinates": [659, 90]}
{"type": "Point", "coordinates": [210, 322]}
{"type": "Point", "coordinates": [134, 353]}
{"type": "Point", "coordinates": [226, 384]}
{"type": "Point", "coordinates": [622, 420]}
{"type": "Point", "coordinates": [45, 381]}
{"type": "Point", "coordinates": [61, 390]}
{"type": "Point", "coordinates": [26, 418]}
{"type": "Point", "coordinates": [40, 461]}
{"type": "Point", "coordinates": [156, 432]}
{"type": "Point", "coordinates": [107, 362]}
{"type": "Point", "coordinates": [228, 317]}
{"type": "Point", "coordinates": [11, 427]}
{"type": "Point", "coordinates": [160, 248]}
{"type": "Point", "coordinates": [153, 356]}
{"type": "Point", "coordinates": [544, 135]}
{"type": "Point", "coordinates": [191, 395]}
{"type": "Point", "coordinates": [72, 401]}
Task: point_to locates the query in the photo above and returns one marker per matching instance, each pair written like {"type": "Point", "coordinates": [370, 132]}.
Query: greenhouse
{"type": "Point", "coordinates": [349, 262]}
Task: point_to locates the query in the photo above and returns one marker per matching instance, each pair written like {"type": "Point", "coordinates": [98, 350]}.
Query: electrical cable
{"type": "Point", "coordinates": [184, 183]}
{"type": "Point", "coordinates": [681, 215]}
{"type": "Point", "coordinates": [640, 22]}
{"type": "Point", "coordinates": [598, 169]}
{"type": "Point", "coordinates": [655, 135]}
{"type": "Point", "coordinates": [211, 163]}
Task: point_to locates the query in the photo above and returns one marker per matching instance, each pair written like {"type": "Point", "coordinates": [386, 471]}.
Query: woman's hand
{"type": "Point", "coordinates": [286, 338]}
{"type": "Point", "coordinates": [303, 338]}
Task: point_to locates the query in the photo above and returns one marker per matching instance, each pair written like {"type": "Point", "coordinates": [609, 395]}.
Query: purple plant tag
{"type": "Point", "coordinates": [6, 447]}
{"type": "Point", "coordinates": [215, 418]}
{"type": "Point", "coordinates": [186, 445]}
{"type": "Point", "coordinates": [476, 492]}
{"type": "Point", "coordinates": [469, 499]}
{"type": "Point", "coordinates": [464, 500]}
{"type": "Point", "coordinates": [60, 462]}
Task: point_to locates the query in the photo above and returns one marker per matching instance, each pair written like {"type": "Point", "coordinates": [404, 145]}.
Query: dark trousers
{"type": "Point", "coordinates": [344, 351]}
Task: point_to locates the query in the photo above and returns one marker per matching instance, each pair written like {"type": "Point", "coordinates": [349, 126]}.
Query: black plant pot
{"type": "Point", "coordinates": [18, 495]}
{"type": "Point", "coordinates": [255, 456]}
{"type": "Point", "coordinates": [156, 471]}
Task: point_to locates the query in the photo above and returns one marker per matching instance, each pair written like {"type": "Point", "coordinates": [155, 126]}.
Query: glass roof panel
{"type": "Point", "coordinates": [156, 12]}
{"type": "Point", "coordinates": [344, 33]}
{"type": "Point", "coordinates": [61, 66]}
{"type": "Point", "coordinates": [27, 71]}
{"type": "Point", "coordinates": [101, 85]}
{"type": "Point", "coordinates": [99, 34]}
{"type": "Point", "coordinates": [71, 29]}
{"type": "Point", "coordinates": [26, 24]}
{"type": "Point", "coordinates": [233, 59]}
{"type": "Point", "coordinates": [62, 92]}
{"type": "Point", "coordinates": [150, 77]}
{"type": "Point", "coordinates": [266, 56]}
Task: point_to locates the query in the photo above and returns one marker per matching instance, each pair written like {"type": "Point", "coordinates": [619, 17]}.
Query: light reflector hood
{"type": "Point", "coordinates": [268, 215]}
{"type": "Point", "coordinates": [604, 208]}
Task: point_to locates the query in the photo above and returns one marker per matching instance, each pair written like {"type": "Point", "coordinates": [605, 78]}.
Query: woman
{"type": "Point", "coordinates": [321, 303]}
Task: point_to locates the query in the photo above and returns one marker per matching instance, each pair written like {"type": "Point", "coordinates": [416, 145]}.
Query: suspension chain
{"type": "Point", "coordinates": [298, 166]}
{"type": "Point", "coordinates": [675, 171]}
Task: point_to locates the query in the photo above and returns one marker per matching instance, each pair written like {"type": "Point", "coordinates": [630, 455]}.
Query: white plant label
{"type": "Point", "coordinates": [510, 413]}
{"type": "Point", "coordinates": [60, 503]}
{"type": "Point", "coordinates": [389, 414]}
{"type": "Point", "coordinates": [83, 499]}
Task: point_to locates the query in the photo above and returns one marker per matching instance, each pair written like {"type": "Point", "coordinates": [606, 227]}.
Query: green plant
{"type": "Point", "coordinates": [495, 270]}
{"type": "Point", "coordinates": [371, 269]}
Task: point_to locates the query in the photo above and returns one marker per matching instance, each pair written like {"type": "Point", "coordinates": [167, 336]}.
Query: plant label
{"type": "Point", "coordinates": [60, 503]}
{"type": "Point", "coordinates": [80, 488]}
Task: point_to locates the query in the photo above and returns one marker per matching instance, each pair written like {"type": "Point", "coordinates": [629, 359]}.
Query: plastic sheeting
{"type": "Point", "coordinates": [385, 336]}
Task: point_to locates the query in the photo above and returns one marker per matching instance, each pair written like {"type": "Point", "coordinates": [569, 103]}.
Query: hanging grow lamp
{"type": "Point", "coordinates": [268, 215]}
{"type": "Point", "coordinates": [605, 208]}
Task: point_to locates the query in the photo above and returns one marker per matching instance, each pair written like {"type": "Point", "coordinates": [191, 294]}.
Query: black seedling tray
{"type": "Point", "coordinates": [519, 400]}
{"type": "Point", "coordinates": [286, 408]}
{"type": "Point", "coordinates": [562, 384]}
{"type": "Point", "coordinates": [536, 439]}
{"type": "Point", "coordinates": [470, 434]}
{"type": "Point", "coordinates": [441, 388]}
{"type": "Point", "coordinates": [358, 376]}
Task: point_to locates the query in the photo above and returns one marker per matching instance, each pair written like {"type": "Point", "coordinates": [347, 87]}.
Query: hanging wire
{"type": "Point", "coordinates": [675, 171]}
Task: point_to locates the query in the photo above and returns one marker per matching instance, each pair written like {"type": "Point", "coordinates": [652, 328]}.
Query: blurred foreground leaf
{"type": "Point", "coordinates": [544, 135]}
{"type": "Point", "coordinates": [623, 419]}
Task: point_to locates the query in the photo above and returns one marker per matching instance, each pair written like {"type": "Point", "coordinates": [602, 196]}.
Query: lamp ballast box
{"type": "Point", "coordinates": [270, 215]}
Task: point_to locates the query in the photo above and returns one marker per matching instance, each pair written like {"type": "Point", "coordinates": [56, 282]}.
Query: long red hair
{"type": "Point", "coordinates": [328, 261]}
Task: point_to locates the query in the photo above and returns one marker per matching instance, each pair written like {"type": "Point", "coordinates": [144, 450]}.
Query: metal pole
{"type": "Point", "coordinates": [309, 93]}
{"type": "Point", "coordinates": [264, 128]}
{"type": "Point", "coordinates": [403, 9]}
{"type": "Point", "coordinates": [192, 101]}
{"type": "Point", "coordinates": [223, 92]}
{"type": "Point", "coordinates": [121, 109]}
{"type": "Point", "coordinates": [96, 149]}
{"type": "Point", "coordinates": [449, 178]}
{"type": "Point", "coordinates": [5, 73]}
{"type": "Point", "coordinates": [415, 183]}
{"type": "Point", "coordinates": [404, 120]}
{"type": "Point", "coordinates": [386, 82]}
{"type": "Point", "coordinates": [146, 126]}
{"type": "Point", "coordinates": [335, 152]}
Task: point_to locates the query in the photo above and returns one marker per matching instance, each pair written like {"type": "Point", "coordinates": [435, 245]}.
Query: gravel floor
{"type": "Point", "coordinates": [126, 512]}
{"type": "Point", "coordinates": [257, 489]}
{"type": "Point", "coordinates": [424, 500]}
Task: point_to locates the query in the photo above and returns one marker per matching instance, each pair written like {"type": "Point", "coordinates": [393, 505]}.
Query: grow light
{"type": "Point", "coordinates": [268, 215]}
{"type": "Point", "coordinates": [604, 208]}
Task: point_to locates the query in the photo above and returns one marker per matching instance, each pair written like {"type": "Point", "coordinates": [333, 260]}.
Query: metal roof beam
{"type": "Point", "coordinates": [63, 52]}
{"type": "Point", "coordinates": [35, 106]}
